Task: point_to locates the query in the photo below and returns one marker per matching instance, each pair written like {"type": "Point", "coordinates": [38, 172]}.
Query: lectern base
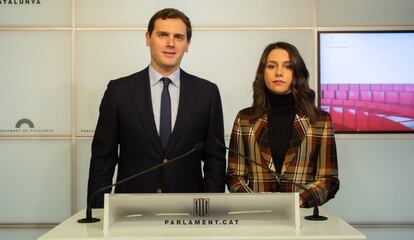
{"type": "Point", "coordinates": [89, 220]}
{"type": "Point", "coordinates": [316, 218]}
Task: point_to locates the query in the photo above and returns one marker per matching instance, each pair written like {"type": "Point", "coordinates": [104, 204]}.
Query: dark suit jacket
{"type": "Point", "coordinates": [126, 120]}
{"type": "Point", "coordinates": [310, 159]}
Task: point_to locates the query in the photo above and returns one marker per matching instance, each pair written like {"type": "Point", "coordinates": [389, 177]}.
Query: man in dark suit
{"type": "Point", "coordinates": [157, 114]}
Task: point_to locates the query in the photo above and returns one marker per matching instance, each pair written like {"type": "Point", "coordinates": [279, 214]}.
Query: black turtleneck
{"type": "Point", "coordinates": [281, 117]}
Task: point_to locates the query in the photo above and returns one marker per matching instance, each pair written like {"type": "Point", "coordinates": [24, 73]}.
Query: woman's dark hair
{"type": "Point", "coordinates": [303, 95]}
{"type": "Point", "coordinates": [167, 13]}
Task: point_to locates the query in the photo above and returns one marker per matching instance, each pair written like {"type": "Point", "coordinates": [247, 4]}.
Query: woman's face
{"type": "Point", "coordinates": [278, 72]}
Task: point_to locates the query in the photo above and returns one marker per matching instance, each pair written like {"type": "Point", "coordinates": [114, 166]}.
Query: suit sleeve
{"type": "Point", "coordinates": [214, 155]}
{"type": "Point", "coordinates": [326, 182]}
{"type": "Point", "coordinates": [104, 147]}
{"type": "Point", "coordinates": [237, 166]}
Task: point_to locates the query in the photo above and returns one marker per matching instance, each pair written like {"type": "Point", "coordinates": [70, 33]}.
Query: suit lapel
{"type": "Point", "coordinates": [185, 109]}
{"type": "Point", "coordinates": [299, 129]}
{"type": "Point", "coordinates": [141, 95]}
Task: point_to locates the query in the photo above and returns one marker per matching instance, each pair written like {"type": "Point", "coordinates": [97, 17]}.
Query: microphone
{"type": "Point", "coordinates": [279, 178]}
{"type": "Point", "coordinates": [90, 219]}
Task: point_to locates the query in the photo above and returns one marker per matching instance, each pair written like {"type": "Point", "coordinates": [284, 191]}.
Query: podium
{"type": "Point", "coordinates": [197, 211]}
{"type": "Point", "coordinates": [203, 216]}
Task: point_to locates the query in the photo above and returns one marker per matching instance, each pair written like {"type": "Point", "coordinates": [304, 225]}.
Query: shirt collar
{"type": "Point", "coordinates": [156, 76]}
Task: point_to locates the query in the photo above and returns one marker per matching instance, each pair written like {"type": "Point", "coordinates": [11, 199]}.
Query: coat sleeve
{"type": "Point", "coordinates": [237, 170]}
{"type": "Point", "coordinates": [326, 182]}
{"type": "Point", "coordinates": [213, 154]}
{"type": "Point", "coordinates": [104, 147]}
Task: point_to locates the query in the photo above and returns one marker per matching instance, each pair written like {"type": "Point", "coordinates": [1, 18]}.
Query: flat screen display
{"type": "Point", "coordinates": [366, 80]}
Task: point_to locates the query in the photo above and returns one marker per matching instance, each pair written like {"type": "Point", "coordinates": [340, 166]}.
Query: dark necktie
{"type": "Point", "coordinates": [165, 119]}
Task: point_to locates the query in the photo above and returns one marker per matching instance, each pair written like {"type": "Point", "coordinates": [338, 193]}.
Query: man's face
{"type": "Point", "coordinates": [168, 43]}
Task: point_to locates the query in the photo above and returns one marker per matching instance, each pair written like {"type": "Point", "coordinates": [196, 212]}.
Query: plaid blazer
{"type": "Point", "coordinates": [310, 159]}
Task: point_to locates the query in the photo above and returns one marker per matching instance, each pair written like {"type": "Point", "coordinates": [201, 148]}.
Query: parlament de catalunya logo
{"type": "Point", "coordinates": [19, 2]}
{"type": "Point", "coordinates": [201, 207]}
{"type": "Point", "coordinates": [25, 125]}
{"type": "Point", "coordinates": [24, 121]}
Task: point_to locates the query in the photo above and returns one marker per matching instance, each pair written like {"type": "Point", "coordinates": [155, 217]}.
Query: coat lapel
{"type": "Point", "coordinates": [299, 130]}
{"type": "Point", "coordinates": [141, 95]}
{"type": "Point", "coordinates": [185, 109]}
{"type": "Point", "coordinates": [261, 133]}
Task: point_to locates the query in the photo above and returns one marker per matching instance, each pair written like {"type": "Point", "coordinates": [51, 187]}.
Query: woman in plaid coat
{"type": "Point", "coordinates": [285, 131]}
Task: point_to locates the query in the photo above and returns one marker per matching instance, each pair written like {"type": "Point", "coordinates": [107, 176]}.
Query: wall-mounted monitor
{"type": "Point", "coordinates": [366, 80]}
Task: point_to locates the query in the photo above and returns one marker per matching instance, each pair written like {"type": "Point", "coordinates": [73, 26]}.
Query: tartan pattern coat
{"type": "Point", "coordinates": [310, 159]}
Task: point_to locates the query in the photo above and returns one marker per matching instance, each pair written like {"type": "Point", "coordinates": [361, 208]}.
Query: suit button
{"type": "Point", "coordinates": [165, 160]}
{"type": "Point", "coordinates": [159, 190]}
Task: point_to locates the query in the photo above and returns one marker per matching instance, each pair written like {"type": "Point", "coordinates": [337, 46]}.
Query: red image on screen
{"type": "Point", "coordinates": [369, 107]}
{"type": "Point", "coordinates": [366, 80]}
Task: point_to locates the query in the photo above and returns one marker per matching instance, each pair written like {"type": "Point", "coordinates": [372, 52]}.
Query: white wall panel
{"type": "Point", "coordinates": [230, 59]}
{"type": "Point", "coordinates": [376, 181]}
{"type": "Point", "coordinates": [212, 13]}
{"type": "Point", "coordinates": [35, 177]}
{"type": "Point", "coordinates": [331, 13]}
{"type": "Point", "coordinates": [49, 13]}
{"type": "Point", "coordinates": [35, 82]}
{"type": "Point", "coordinates": [83, 156]}
{"type": "Point", "coordinates": [388, 233]}
{"type": "Point", "coordinates": [22, 234]}
{"type": "Point", "coordinates": [102, 56]}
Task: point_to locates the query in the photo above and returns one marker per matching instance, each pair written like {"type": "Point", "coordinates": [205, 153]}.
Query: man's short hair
{"type": "Point", "coordinates": [170, 13]}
